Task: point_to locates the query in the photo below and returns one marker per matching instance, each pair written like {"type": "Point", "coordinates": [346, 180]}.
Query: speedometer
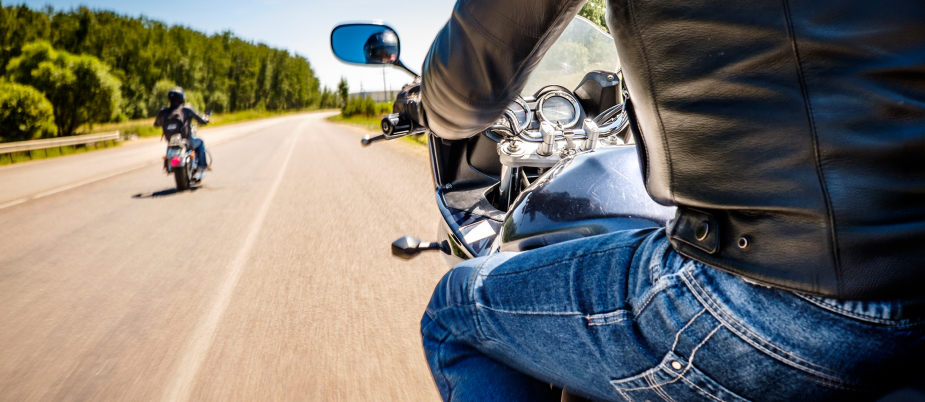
{"type": "Point", "coordinates": [521, 112]}
{"type": "Point", "coordinates": [559, 108]}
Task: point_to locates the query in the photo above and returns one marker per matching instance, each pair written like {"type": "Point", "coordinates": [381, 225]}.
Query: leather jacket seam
{"type": "Point", "coordinates": [804, 90]}
{"type": "Point", "coordinates": [658, 113]}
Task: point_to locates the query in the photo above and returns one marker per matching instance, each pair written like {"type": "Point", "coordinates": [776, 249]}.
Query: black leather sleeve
{"type": "Point", "coordinates": [159, 120]}
{"type": "Point", "coordinates": [482, 57]}
{"type": "Point", "coordinates": [192, 113]}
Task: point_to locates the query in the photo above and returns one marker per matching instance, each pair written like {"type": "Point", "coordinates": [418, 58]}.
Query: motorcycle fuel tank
{"type": "Point", "coordinates": [589, 194]}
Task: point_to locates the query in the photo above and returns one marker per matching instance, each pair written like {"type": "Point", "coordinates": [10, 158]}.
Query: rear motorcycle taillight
{"type": "Point", "coordinates": [175, 161]}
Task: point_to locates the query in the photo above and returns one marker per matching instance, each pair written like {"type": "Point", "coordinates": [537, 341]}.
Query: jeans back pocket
{"type": "Point", "coordinates": [674, 380]}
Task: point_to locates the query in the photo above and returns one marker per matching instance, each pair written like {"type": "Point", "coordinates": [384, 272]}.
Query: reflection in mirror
{"type": "Point", "coordinates": [365, 44]}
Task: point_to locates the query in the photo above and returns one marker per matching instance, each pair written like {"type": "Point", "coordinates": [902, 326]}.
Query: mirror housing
{"type": "Point", "coordinates": [408, 247]}
{"type": "Point", "coordinates": [367, 44]}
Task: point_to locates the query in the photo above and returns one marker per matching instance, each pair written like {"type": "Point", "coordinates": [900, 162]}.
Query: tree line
{"type": "Point", "coordinates": [125, 65]}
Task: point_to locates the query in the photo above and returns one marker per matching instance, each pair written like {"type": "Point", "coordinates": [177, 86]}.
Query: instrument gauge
{"type": "Point", "coordinates": [522, 112]}
{"type": "Point", "coordinates": [558, 108]}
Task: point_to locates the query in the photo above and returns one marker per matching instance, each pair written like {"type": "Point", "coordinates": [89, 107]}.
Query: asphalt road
{"type": "Point", "coordinates": [272, 281]}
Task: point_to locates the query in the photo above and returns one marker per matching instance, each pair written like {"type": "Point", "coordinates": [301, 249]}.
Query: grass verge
{"type": "Point", "coordinates": [372, 124]}
{"type": "Point", "coordinates": [145, 127]}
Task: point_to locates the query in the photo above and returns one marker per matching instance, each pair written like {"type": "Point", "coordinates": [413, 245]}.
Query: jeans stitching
{"type": "Point", "coordinates": [563, 314]}
{"type": "Point", "coordinates": [613, 317]}
{"type": "Point", "coordinates": [737, 327]}
{"type": "Point", "coordinates": [661, 391]}
{"type": "Point", "coordinates": [559, 261]}
{"type": "Point", "coordinates": [661, 367]}
{"type": "Point", "coordinates": [655, 264]}
{"type": "Point", "coordinates": [690, 360]}
{"type": "Point", "coordinates": [700, 389]}
{"type": "Point", "coordinates": [653, 385]}
{"type": "Point", "coordinates": [598, 324]}
{"type": "Point", "coordinates": [655, 290]}
{"type": "Point", "coordinates": [841, 311]}
{"type": "Point", "coordinates": [756, 341]}
{"type": "Point", "coordinates": [475, 314]}
{"type": "Point", "coordinates": [677, 336]}
{"type": "Point", "coordinates": [440, 344]}
{"type": "Point", "coordinates": [624, 395]}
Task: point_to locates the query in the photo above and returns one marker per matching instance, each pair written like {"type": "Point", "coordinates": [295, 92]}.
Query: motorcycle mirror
{"type": "Point", "coordinates": [365, 44]}
{"type": "Point", "coordinates": [369, 44]}
{"type": "Point", "coordinates": [408, 247]}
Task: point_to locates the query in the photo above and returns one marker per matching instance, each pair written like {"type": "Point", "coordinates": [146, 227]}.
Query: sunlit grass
{"type": "Point", "coordinates": [141, 127]}
{"type": "Point", "coordinates": [145, 127]}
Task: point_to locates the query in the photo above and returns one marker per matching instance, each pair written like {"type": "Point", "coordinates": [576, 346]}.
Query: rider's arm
{"type": "Point", "coordinates": [159, 120]}
{"type": "Point", "coordinates": [190, 112]}
{"type": "Point", "coordinates": [481, 60]}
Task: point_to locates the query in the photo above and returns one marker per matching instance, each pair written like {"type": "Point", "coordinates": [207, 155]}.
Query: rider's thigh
{"type": "Point", "coordinates": [623, 317]}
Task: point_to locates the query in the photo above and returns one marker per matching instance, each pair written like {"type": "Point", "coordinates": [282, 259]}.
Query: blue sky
{"type": "Point", "coordinates": [302, 27]}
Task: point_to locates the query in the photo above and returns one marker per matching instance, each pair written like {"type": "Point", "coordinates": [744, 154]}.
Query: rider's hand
{"type": "Point", "coordinates": [408, 105]}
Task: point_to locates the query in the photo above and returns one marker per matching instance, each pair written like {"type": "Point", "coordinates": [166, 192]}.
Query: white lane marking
{"type": "Point", "coordinates": [10, 204]}
{"type": "Point", "coordinates": [200, 341]}
{"type": "Point", "coordinates": [73, 185]}
{"type": "Point", "coordinates": [88, 181]}
{"type": "Point", "coordinates": [72, 370]}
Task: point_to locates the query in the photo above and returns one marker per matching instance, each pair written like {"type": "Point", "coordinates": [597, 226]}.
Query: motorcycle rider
{"type": "Point", "coordinates": [790, 136]}
{"type": "Point", "coordinates": [381, 48]}
{"type": "Point", "coordinates": [176, 119]}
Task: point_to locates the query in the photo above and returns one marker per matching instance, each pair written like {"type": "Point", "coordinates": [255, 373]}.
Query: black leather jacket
{"type": "Point", "coordinates": [188, 115]}
{"type": "Point", "coordinates": [790, 133]}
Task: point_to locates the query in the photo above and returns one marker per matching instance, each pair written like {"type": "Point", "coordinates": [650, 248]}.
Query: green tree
{"type": "Point", "coordinates": [327, 99]}
{"type": "Point", "coordinates": [343, 90]}
{"type": "Point", "coordinates": [229, 73]}
{"type": "Point", "coordinates": [595, 11]}
{"type": "Point", "coordinates": [25, 114]}
{"type": "Point", "coordinates": [158, 98]}
{"type": "Point", "coordinates": [80, 88]}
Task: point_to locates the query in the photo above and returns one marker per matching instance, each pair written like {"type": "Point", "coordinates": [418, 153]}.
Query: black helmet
{"type": "Point", "coordinates": [176, 96]}
{"type": "Point", "coordinates": [381, 48]}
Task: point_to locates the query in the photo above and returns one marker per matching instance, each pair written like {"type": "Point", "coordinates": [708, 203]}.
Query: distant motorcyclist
{"type": "Point", "coordinates": [176, 119]}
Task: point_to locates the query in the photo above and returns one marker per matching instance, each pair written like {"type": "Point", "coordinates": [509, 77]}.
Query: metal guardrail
{"type": "Point", "coordinates": [23, 146]}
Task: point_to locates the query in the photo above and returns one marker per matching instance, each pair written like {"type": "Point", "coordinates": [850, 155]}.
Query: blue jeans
{"type": "Point", "coordinates": [200, 148]}
{"type": "Point", "coordinates": [623, 317]}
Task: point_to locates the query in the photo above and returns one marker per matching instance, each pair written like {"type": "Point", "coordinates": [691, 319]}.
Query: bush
{"type": "Point", "coordinates": [80, 88]}
{"type": "Point", "coordinates": [25, 114]}
{"type": "Point", "coordinates": [365, 106]}
{"type": "Point", "coordinates": [158, 97]}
